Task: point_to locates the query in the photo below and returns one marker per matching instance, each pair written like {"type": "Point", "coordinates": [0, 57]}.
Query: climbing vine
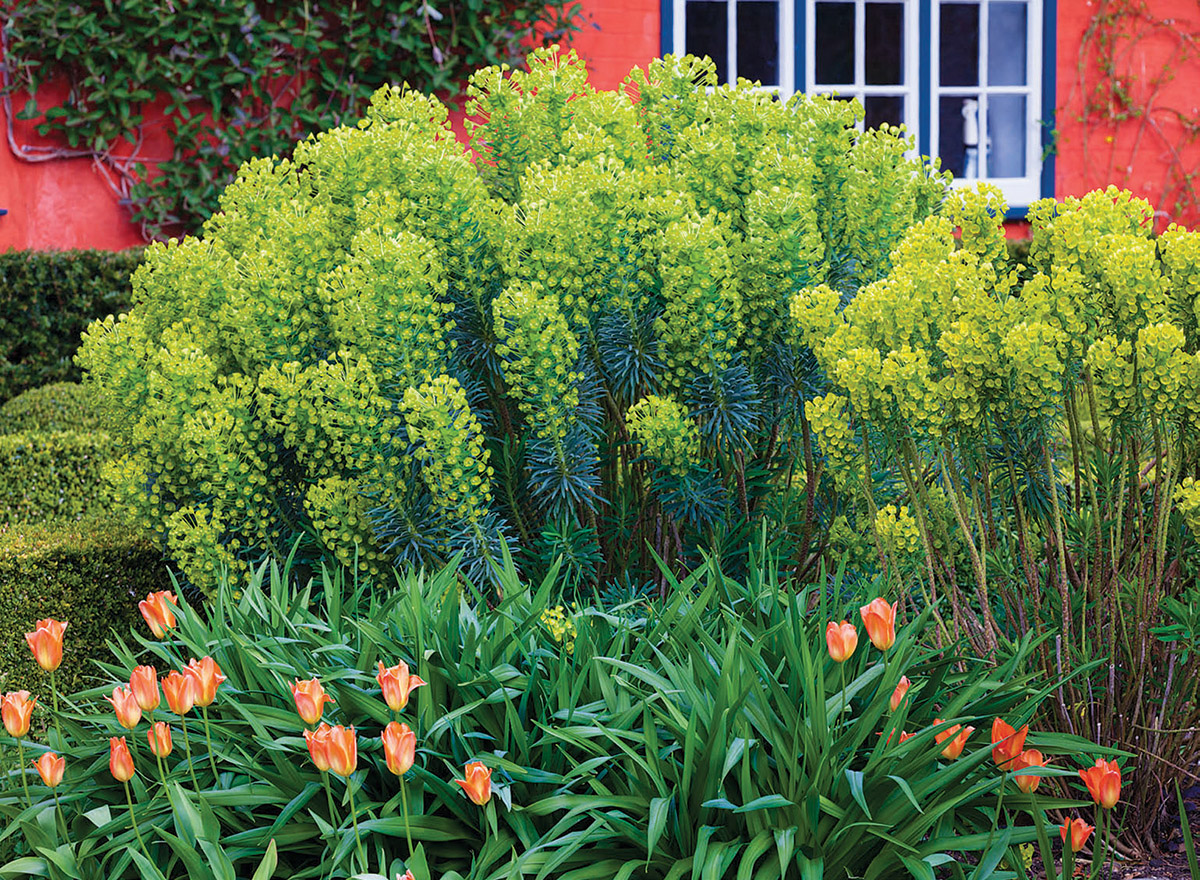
{"type": "Point", "coordinates": [1134, 111]}
{"type": "Point", "coordinates": [230, 80]}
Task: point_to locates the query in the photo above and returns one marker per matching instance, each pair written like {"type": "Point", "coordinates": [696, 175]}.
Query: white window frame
{"type": "Point", "coordinates": [1018, 191]}
{"type": "Point", "coordinates": [787, 40]}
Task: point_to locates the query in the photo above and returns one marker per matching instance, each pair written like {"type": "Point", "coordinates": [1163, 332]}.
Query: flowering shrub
{"type": "Point", "coordinates": [717, 734]}
{"type": "Point", "coordinates": [575, 345]}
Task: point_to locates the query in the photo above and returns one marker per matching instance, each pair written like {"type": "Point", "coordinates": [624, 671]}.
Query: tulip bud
{"type": "Point", "coordinates": [880, 620]}
{"type": "Point", "coordinates": [399, 747]}
{"type": "Point", "coordinates": [899, 692]}
{"type": "Point", "coordinates": [310, 700]}
{"type": "Point", "coordinates": [1103, 783]}
{"type": "Point", "coordinates": [129, 713]}
{"type": "Point", "coordinates": [397, 684]}
{"type": "Point", "coordinates": [120, 762]}
{"type": "Point", "coordinates": [842, 639]}
{"type": "Point", "coordinates": [1079, 831]}
{"type": "Point", "coordinates": [318, 746]}
{"type": "Point", "coordinates": [957, 734]}
{"type": "Point", "coordinates": [17, 710]}
{"type": "Point", "coordinates": [1007, 743]}
{"type": "Point", "coordinates": [50, 767]}
{"type": "Point", "coordinates": [1028, 758]}
{"type": "Point", "coordinates": [156, 610]}
{"type": "Point", "coordinates": [478, 783]}
{"type": "Point", "coordinates": [180, 691]}
{"type": "Point", "coordinates": [207, 675]}
{"type": "Point", "coordinates": [342, 750]}
{"type": "Point", "coordinates": [46, 642]}
{"type": "Point", "coordinates": [143, 681]}
{"type": "Point", "coordinates": [160, 739]}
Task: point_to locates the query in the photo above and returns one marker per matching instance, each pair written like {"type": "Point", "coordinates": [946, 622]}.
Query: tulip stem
{"type": "Point", "coordinates": [404, 804]}
{"type": "Point", "coordinates": [62, 743]}
{"type": "Point", "coordinates": [354, 818]}
{"type": "Point", "coordinates": [21, 770]}
{"type": "Point", "coordinates": [133, 818]}
{"type": "Point", "coordinates": [1104, 826]}
{"type": "Point", "coordinates": [58, 812]}
{"type": "Point", "coordinates": [187, 748]}
{"type": "Point", "coordinates": [842, 670]}
{"type": "Point", "coordinates": [212, 761]}
{"type": "Point", "coordinates": [328, 794]}
{"type": "Point", "coordinates": [1039, 819]}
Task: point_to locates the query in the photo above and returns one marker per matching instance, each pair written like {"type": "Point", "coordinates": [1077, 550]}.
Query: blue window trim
{"type": "Point", "coordinates": [925, 12]}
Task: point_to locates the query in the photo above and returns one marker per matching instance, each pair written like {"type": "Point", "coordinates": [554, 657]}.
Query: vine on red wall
{"type": "Point", "coordinates": [1136, 109]}
{"type": "Point", "coordinates": [234, 79]}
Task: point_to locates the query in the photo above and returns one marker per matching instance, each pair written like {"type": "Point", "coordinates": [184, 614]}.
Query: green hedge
{"type": "Point", "coordinates": [63, 406]}
{"type": "Point", "coordinates": [46, 302]}
{"type": "Point", "coordinates": [88, 573]}
{"type": "Point", "coordinates": [52, 476]}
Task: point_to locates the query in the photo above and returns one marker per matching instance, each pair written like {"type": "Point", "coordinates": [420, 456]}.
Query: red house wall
{"type": "Point", "coordinates": [1137, 134]}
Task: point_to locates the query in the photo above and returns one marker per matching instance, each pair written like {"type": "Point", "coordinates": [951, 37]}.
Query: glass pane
{"type": "Point", "coordinates": [1006, 136]}
{"type": "Point", "coordinates": [835, 43]}
{"type": "Point", "coordinates": [958, 136]}
{"type": "Point", "coordinates": [958, 44]}
{"type": "Point", "coordinates": [1006, 44]}
{"type": "Point", "coordinates": [706, 33]}
{"type": "Point", "coordinates": [758, 41]}
{"type": "Point", "coordinates": [884, 23]}
{"type": "Point", "coordinates": [883, 109]}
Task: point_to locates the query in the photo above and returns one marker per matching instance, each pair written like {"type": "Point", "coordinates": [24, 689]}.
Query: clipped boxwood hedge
{"type": "Point", "coordinates": [52, 476]}
{"type": "Point", "coordinates": [89, 573]}
{"type": "Point", "coordinates": [62, 406]}
{"type": "Point", "coordinates": [46, 302]}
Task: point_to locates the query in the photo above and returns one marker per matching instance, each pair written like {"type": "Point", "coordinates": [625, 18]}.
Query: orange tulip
{"type": "Point", "coordinates": [399, 747]}
{"type": "Point", "coordinates": [143, 681]}
{"type": "Point", "coordinates": [310, 700]}
{"type": "Point", "coordinates": [156, 609]}
{"type": "Point", "coordinates": [129, 713]}
{"type": "Point", "coordinates": [120, 762]}
{"type": "Point", "coordinates": [50, 767]}
{"type": "Point", "coordinates": [397, 684]}
{"type": "Point", "coordinates": [880, 620]}
{"type": "Point", "coordinates": [478, 783]}
{"type": "Point", "coordinates": [842, 639]}
{"type": "Point", "coordinates": [1103, 783]}
{"type": "Point", "coordinates": [342, 749]}
{"type": "Point", "coordinates": [180, 690]}
{"type": "Point", "coordinates": [160, 739]}
{"type": "Point", "coordinates": [1007, 743]}
{"type": "Point", "coordinates": [207, 675]}
{"type": "Point", "coordinates": [17, 710]}
{"type": "Point", "coordinates": [957, 736]}
{"type": "Point", "coordinates": [1079, 831]}
{"type": "Point", "coordinates": [46, 642]}
{"type": "Point", "coordinates": [899, 692]}
{"type": "Point", "coordinates": [318, 746]}
{"type": "Point", "coordinates": [1028, 758]}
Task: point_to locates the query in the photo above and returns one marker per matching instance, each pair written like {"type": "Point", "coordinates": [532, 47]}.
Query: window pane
{"type": "Point", "coordinates": [958, 136]}
{"type": "Point", "coordinates": [1006, 134]}
{"type": "Point", "coordinates": [835, 43]}
{"type": "Point", "coordinates": [706, 33]}
{"type": "Point", "coordinates": [883, 109]}
{"type": "Point", "coordinates": [758, 41]}
{"type": "Point", "coordinates": [958, 44]}
{"type": "Point", "coordinates": [1006, 44]}
{"type": "Point", "coordinates": [884, 23]}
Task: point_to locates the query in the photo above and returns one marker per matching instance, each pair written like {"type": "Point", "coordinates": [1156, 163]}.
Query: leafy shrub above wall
{"type": "Point", "coordinates": [575, 345]}
{"type": "Point", "coordinates": [46, 300]}
{"type": "Point", "coordinates": [239, 80]}
{"type": "Point", "coordinates": [53, 476]}
{"type": "Point", "coordinates": [62, 406]}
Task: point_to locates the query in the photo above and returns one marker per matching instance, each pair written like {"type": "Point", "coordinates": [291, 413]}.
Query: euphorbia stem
{"type": "Point", "coordinates": [212, 761]}
{"type": "Point", "coordinates": [354, 818]}
{"type": "Point", "coordinates": [404, 805]}
{"type": "Point", "coordinates": [133, 818]}
{"type": "Point", "coordinates": [62, 743]}
{"type": "Point", "coordinates": [21, 770]}
{"type": "Point", "coordinates": [187, 749]}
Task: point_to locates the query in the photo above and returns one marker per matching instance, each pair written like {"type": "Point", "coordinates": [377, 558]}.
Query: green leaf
{"type": "Point", "coordinates": [855, 778]}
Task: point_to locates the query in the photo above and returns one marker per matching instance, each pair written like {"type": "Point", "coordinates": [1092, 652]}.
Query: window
{"type": "Point", "coordinates": [965, 76]}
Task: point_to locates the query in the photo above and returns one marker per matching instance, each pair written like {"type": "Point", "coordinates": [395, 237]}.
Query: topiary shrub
{"type": "Point", "coordinates": [46, 300]}
{"type": "Point", "coordinates": [52, 476]}
{"type": "Point", "coordinates": [88, 573]}
{"type": "Point", "coordinates": [62, 406]}
{"type": "Point", "coordinates": [574, 345]}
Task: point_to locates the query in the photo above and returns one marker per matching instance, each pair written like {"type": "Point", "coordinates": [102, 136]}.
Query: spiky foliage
{"type": "Point", "coordinates": [575, 339]}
